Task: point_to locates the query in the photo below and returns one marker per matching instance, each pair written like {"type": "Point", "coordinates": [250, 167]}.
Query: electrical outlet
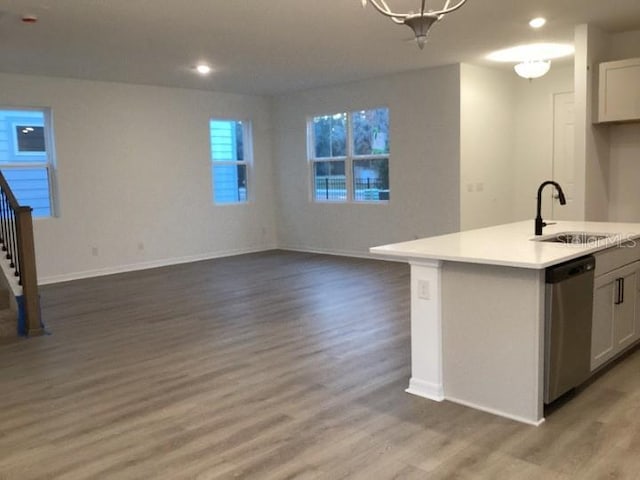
{"type": "Point", "coordinates": [424, 290]}
{"type": "Point", "coordinates": [94, 251]}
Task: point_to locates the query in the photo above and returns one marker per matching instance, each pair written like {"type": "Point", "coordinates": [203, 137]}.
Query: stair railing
{"type": "Point", "coordinates": [17, 243]}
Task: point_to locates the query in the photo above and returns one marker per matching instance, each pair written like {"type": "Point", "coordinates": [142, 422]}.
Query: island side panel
{"type": "Point", "coordinates": [493, 339]}
{"type": "Point", "coordinates": [426, 331]}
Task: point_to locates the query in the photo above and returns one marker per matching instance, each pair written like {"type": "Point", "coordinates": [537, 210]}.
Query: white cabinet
{"type": "Point", "coordinates": [615, 323]}
{"type": "Point", "coordinates": [619, 91]}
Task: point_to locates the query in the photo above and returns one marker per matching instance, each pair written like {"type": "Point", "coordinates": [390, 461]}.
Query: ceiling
{"type": "Point", "coordinates": [268, 47]}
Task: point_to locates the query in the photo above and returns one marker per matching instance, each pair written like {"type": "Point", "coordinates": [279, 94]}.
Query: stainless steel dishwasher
{"type": "Point", "coordinates": [568, 317]}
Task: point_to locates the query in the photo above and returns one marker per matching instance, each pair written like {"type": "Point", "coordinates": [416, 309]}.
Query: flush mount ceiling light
{"type": "Point", "coordinates": [420, 22]}
{"type": "Point", "coordinates": [533, 60]}
{"type": "Point", "coordinates": [532, 69]}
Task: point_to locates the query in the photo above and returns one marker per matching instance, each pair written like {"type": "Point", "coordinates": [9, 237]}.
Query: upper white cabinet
{"type": "Point", "coordinates": [619, 91]}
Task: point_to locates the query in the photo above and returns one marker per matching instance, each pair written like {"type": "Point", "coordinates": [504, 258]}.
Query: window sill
{"type": "Point", "coordinates": [231, 204]}
{"type": "Point", "coordinates": [344, 202]}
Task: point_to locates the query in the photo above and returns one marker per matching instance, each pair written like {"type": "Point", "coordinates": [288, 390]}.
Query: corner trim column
{"type": "Point", "coordinates": [426, 330]}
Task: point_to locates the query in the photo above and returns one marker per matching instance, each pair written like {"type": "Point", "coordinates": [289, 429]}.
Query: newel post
{"type": "Point", "coordinates": [28, 274]}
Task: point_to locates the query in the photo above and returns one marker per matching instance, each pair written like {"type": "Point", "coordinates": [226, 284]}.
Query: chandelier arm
{"type": "Point", "coordinates": [424, 3]}
{"type": "Point", "coordinates": [448, 9]}
{"type": "Point", "coordinates": [384, 9]}
{"type": "Point", "coordinates": [385, 5]}
{"type": "Point", "coordinates": [395, 19]}
{"type": "Point", "coordinates": [446, 5]}
{"type": "Point", "coordinates": [399, 21]}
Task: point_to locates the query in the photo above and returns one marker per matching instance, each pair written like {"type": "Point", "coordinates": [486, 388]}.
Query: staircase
{"type": "Point", "coordinates": [18, 266]}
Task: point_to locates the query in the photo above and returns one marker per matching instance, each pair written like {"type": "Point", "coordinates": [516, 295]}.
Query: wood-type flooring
{"type": "Point", "coordinates": [277, 365]}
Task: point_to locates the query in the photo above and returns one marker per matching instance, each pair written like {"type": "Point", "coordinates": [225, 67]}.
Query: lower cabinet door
{"type": "Point", "coordinates": [615, 320]}
{"type": "Point", "coordinates": [602, 343]}
{"type": "Point", "coordinates": [624, 319]}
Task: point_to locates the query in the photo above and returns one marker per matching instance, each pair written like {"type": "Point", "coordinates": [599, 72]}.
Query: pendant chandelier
{"type": "Point", "coordinates": [419, 22]}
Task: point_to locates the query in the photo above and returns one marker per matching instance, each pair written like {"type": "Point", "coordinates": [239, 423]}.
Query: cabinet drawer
{"type": "Point", "coordinates": [615, 257]}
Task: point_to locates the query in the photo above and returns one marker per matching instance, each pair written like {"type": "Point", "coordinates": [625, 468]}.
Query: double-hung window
{"type": "Point", "coordinates": [231, 152]}
{"type": "Point", "coordinates": [349, 156]}
{"type": "Point", "coordinates": [26, 157]}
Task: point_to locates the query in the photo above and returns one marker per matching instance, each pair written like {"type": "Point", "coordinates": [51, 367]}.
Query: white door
{"type": "Point", "coordinates": [563, 154]}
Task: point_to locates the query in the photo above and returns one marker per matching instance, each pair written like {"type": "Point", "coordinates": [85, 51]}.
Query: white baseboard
{"type": "Point", "coordinates": [435, 392]}
{"type": "Point", "coordinates": [148, 265]}
{"type": "Point", "coordinates": [499, 413]}
{"type": "Point", "coordinates": [197, 258]}
{"type": "Point", "coordinates": [339, 253]}
{"type": "Point", "coordinates": [432, 391]}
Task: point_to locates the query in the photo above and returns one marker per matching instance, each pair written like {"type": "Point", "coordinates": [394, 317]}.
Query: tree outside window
{"type": "Point", "coordinates": [349, 153]}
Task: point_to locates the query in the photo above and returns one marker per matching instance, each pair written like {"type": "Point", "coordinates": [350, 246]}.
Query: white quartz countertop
{"type": "Point", "coordinates": [511, 244]}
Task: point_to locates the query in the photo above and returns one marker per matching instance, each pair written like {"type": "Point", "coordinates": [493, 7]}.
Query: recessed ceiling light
{"type": "Point", "coordinates": [203, 69]}
{"type": "Point", "coordinates": [533, 51]}
{"type": "Point", "coordinates": [537, 22]}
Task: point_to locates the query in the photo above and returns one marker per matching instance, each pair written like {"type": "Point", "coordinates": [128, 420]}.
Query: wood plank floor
{"type": "Point", "coordinates": [276, 365]}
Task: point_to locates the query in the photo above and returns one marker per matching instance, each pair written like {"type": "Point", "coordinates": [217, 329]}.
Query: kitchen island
{"type": "Point", "coordinates": [478, 310]}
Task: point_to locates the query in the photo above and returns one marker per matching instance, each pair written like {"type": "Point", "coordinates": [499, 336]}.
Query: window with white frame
{"type": "Point", "coordinates": [230, 160]}
{"type": "Point", "coordinates": [27, 157]}
{"type": "Point", "coordinates": [349, 156]}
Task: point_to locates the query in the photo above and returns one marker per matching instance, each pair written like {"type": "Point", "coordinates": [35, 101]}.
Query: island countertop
{"type": "Point", "coordinates": [512, 244]}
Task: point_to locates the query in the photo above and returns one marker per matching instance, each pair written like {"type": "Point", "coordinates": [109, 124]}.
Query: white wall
{"type": "Point", "coordinates": [145, 149]}
{"type": "Point", "coordinates": [134, 171]}
{"type": "Point", "coordinates": [624, 45]}
{"type": "Point", "coordinates": [624, 145]}
{"type": "Point", "coordinates": [624, 175]}
{"type": "Point", "coordinates": [533, 149]}
{"type": "Point", "coordinates": [487, 129]}
{"type": "Point", "coordinates": [506, 142]}
{"type": "Point", "coordinates": [592, 142]}
{"type": "Point", "coordinates": [424, 108]}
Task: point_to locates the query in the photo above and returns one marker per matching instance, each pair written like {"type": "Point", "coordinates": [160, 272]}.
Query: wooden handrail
{"type": "Point", "coordinates": [4, 186]}
{"type": "Point", "coordinates": [16, 232]}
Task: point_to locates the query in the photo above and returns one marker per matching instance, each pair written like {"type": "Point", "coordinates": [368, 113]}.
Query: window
{"type": "Point", "coordinates": [230, 160]}
{"type": "Point", "coordinates": [27, 159]}
{"type": "Point", "coordinates": [349, 156]}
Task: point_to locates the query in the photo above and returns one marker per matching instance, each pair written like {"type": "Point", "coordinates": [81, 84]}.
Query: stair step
{"type": "Point", "coordinates": [8, 323]}
{"type": "Point", "coordinates": [4, 299]}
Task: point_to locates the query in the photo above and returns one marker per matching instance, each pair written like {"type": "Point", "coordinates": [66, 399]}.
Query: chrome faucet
{"type": "Point", "coordinates": [563, 201]}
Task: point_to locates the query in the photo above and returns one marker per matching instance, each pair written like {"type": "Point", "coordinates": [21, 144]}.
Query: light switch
{"type": "Point", "coordinates": [424, 291]}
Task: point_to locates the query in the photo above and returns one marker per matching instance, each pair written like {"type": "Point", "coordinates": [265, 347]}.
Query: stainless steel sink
{"type": "Point", "coordinates": [575, 238]}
